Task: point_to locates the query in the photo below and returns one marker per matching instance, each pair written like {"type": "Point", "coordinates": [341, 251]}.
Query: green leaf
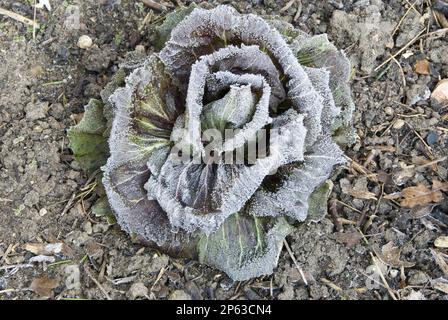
{"type": "Point", "coordinates": [101, 208]}
{"type": "Point", "coordinates": [317, 202]}
{"type": "Point", "coordinates": [318, 52]}
{"type": "Point", "coordinates": [234, 110]}
{"type": "Point", "coordinates": [87, 139]}
{"type": "Point", "coordinates": [145, 111]}
{"type": "Point", "coordinates": [345, 135]}
{"type": "Point", "coordinates": [287, 30]}
{"type": "Point", "coordinates": [172, 19]}
{"type": "Point", "coordinates": [245, 246]}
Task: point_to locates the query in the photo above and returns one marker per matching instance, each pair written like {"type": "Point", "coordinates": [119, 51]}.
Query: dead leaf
{"type": "Point", "coordinates": [422, 67]}
{"type": "Point", "coordinates": [421, 194]}
{"type": "Point", "coordinates": [441, 242]}
{"type": "Point", "coordinates": [429, 225]}
{"type": "Point", "coordinates": [443, 186]}
{"type": "Point", "coordinates": [44, 286]}
{"type": "Point", "coordinates": [440, 261]}
{"type": "Point", "coordinates": [357, 168]}
{"type": "Point", "coordinates": [419, 212]}
{"type": "Point", "coordinates": [47, 249]}
{"type": "Point", "coordinates": [402, 176]}
{"type": "Point", "coordinates": [440, 284]}
{"type": "Point", "coordinates": [390, 255]}
{"type": "Point", "coordinates": [415, 295]}
{"type": "Point", "coordinates": [359, 190]}
{"type": "Point", "coordinates": [440, 93]}
{"type": "Point", "coordinates": [392, 196]}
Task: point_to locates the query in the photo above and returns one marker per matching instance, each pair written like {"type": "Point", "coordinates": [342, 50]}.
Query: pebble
{"type": "Point", "coordinates": [138, 290]}
{"type": "Point", "coordinates": [432, 138]}
{"type": "Point", "coordinates": [158, 262]}
{"type": "Point", "coordinates": [440, 93]}
{"type": "Point", "coordinates": [393, 273]}
{"type": "Point", "coordinates": [140, 49]}
{"type": "Point", "coordinates": [398, 124]}
{"type": "Point", "coordinates": [36, 110]}
{"type": "Point", "coordinates": [37, 71]}
{"type": "Point", "coordinates": [420, 110]}
{"type": "Point", "coordinates": [18, 140]}
{"type": "Point", "coordinates": [179, 295]}
{"type": "Point", "coordinates": [43, 212]}
{"type": "Point", "coordinates": [88, 227]}
{"type": "Point", "coordinates": [418, 278]}
{"type": "Point", "coordinates": [389, 111]}
{"type": "Point", "coordinates": [441, 242]}
{"type": "Point", "coordinates": [226, 284]}
{"type": "Point", "coordinates": [85, 42]}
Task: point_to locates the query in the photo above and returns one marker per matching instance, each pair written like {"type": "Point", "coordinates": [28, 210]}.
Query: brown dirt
{"type": "Point", "coordinates": [45, 81]}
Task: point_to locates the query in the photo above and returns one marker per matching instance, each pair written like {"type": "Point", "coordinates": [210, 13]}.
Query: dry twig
{"type": "Point", "coordinates": [334, 214]}
{"type": "Point", "coordinates": [89, 273]}
{"type": "Point", "coordinates": [298, 12]}
{"type": "Point", "coordinates": [154, 5]}
{"type": "Point", "coordinates": [19, 18]}
{"type": "Point", "coordinates": [291, 254]}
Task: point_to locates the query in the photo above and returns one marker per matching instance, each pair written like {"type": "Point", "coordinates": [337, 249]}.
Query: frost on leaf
{"type": "Point", "coordinates": [245, 246]}
{"type": "Point", "coordinates": [288, 191]}
{"type": "Point", "coordinates": [318, 52]}
{"type": "Point", "coordinates": [168, 177]}
{"type": "Point", "coordinates": [145, 111]}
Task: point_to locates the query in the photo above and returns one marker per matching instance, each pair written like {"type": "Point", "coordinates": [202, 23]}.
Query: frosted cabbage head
{"type": "Point", "coordinates": [220, 71]}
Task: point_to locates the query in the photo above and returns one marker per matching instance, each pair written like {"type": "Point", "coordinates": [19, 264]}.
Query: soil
{"type": "Point", "coordinates": [46, 79]}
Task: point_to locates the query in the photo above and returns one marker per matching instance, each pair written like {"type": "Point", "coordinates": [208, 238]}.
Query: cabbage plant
{"type": "Point", "coordinates": [216, 144]}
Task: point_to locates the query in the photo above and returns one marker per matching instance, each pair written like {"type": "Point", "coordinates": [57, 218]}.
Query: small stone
{"type": "Point", "coordinates": [37, 71]}
{"type": "Point", "coordinates": [410, 28]}
{"type": "Point", "coordinates": [398, 124]}
{"type": "Point", "coordinates": [416, 93]}
{"type": "Point", "coordinates": [18, 140]}
{"type": "Point", "coordinates": [140, 49]}
{"type": "Point", "coordinates": [389, 111]}
{"type": "Point", "coordinates": [72, 174]}
{"type": "Point", "coordinates": [420, 110]}
{"type": "Point", "coordinates": [287, 294]}
{"type": "Point", "coordinates": [226, 284]}
{"type": "Point", "coordinates": [100, 227]}
{"type": "Point", "coordinates": [432, 138]}
{"type": "Point", "coordinates": [97, 59]}
{"type": "Point", "coordinates": [179, 295]}
{"type": "Point", "coordinates": [441, 242]}
{"type": "Point", "coordinates": [57, 110]}
{"type": "Point", "coordinates": [88, 227]}
{"type": "Point", "coordinates": [415, 295]}
{"type": "Point", "coordinates": [43, 212]}
{"type": "Point", "coordinates": [31, 198]}
{"type": "Point", "coordinates": [393, 273]}
{"type": "Point", "coordinates": [418, 278]}
{"type": "Point", "coordinates": [36, 110]}
{"type": "Point", "coordinates": [85, 42]}
{"type": "Point", "coordinates": [138, 290]}
{"type": "Point", "coordinates": [422, 67]}
{"type": "Point", "coordinates": [440, 93]}
{"type": "Point", "coordinates": [158, 262]}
